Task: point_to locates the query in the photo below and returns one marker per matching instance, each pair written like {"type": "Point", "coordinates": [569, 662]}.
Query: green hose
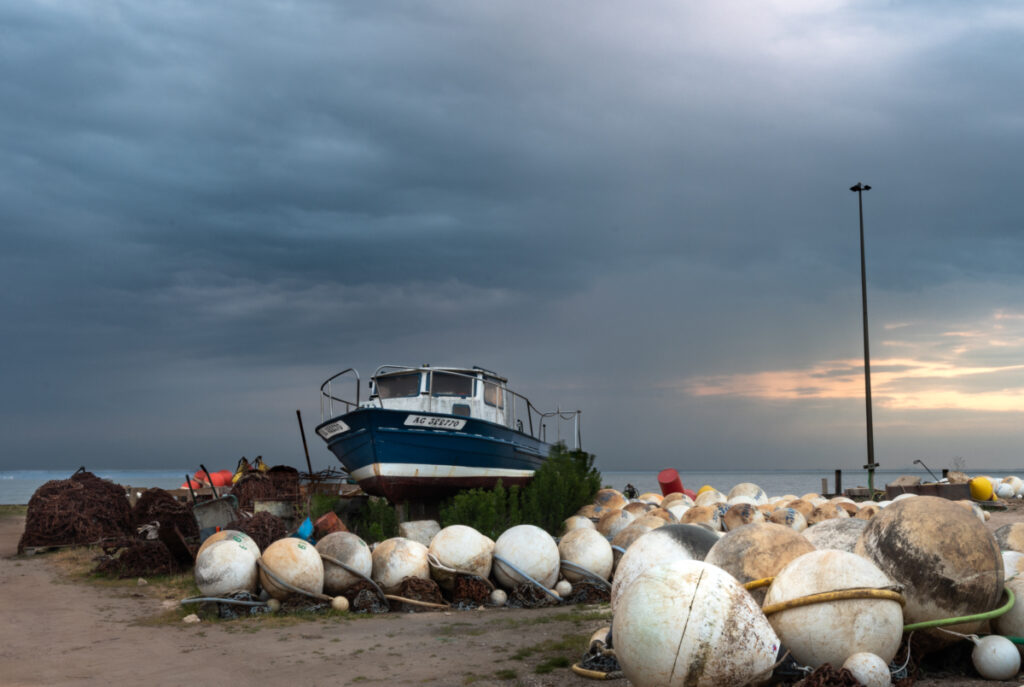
{"type": "Point", "coordinates": [967, 618]}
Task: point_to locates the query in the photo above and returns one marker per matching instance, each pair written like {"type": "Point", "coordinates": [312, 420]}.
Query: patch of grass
{"type": "Point", "coordinates": [13, 509]}
{"type": "Point", "coordinates": [550, 664]}
{"type": "Point", "coordinates": [460, 629]}
{"type": "Point", "coordinates": [505, 674]}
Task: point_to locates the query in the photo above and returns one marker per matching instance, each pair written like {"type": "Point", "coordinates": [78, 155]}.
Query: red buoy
{"type": "Point", "coordinates": [668, 480]}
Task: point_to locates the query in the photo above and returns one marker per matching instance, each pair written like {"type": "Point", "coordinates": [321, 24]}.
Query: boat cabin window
{"type": "Point", "coordinates": [452, 385]}
{"type": "Point", "coordinates": [493, 395]}
{"type": "Point", "coordinates": [397, 386]}
{"type": "Point", "coordinates": [460, 409]}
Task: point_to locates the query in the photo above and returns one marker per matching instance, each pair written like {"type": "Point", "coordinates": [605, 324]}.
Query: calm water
{"type": "Point", "coordinates": [17, 486]}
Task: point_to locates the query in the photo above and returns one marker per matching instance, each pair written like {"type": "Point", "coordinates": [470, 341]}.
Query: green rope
{"type": "Point", "coordinates": [989, 615]}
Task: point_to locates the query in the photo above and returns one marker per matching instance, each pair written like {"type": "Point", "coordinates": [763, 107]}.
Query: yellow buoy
{"type": "Point", "coordinates": [706, 487]}
{"type": "Point", "coordinates": [981, 489]}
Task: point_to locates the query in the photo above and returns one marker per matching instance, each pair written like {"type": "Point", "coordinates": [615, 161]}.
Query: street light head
{"type": "Point", "coordinates": [860, 187]}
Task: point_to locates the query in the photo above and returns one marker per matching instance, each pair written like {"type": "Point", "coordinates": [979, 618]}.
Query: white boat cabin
{"type": "Point", "coordinates": [474, 392]}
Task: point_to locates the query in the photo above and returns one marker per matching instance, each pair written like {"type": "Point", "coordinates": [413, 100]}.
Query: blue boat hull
{"type": "Point", "coordinates": [431, 460]}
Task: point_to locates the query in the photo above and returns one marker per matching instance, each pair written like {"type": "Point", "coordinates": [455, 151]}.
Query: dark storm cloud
{"type": "Point", "coordinates": [581, 196]}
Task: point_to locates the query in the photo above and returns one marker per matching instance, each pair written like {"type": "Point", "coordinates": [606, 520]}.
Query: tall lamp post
{"type": "Point", "coordinates": [870, 467]}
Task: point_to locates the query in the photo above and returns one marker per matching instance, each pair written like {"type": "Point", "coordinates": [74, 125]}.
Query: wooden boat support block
{"type": "Point", "coordinates": [955, 492]}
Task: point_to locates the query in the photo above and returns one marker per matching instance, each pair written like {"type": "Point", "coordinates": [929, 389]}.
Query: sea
{"type": "Point", "coordinates": [17, 486]}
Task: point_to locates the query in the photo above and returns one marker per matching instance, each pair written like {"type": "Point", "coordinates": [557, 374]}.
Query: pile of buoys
{"type": "Point", "coordinates": [199, 479]}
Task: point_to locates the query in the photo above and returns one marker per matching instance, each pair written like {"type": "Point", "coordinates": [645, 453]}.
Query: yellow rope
{"type": "Point", "coordinates": [838, 595]}
{"type": "Point", "coordinates": [757, 584]}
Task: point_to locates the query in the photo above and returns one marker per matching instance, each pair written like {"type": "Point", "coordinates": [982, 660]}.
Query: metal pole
{"type": "Point", "coordinates": [859, 189]}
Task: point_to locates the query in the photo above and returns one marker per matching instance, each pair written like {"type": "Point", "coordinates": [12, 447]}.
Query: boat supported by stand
{"type": "Point", "coordinates": [427, 432]}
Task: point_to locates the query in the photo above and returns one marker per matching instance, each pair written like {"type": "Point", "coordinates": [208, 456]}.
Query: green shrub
{"type": "Point", "coordinates": [376, 520]}
{"type": "Point", "coordinates": [321, 504]}
{"type": "Point", "coordinates": [566, 481]}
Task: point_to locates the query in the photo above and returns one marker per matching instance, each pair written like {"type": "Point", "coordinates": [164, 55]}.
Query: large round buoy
{"type": "Point", "coordinates": [739, 515]}
{"type": "Point", "coordinates": [1005, 491]}
{"type": "Point", "coordinates": [614, 521]}
{"type": "Point", "coordinates": [867, 511]}
{"type": "Point", "coordinates": [350, 550]}
{"type": "Point", "coordinates": [676, 510]}
{"type": "Point", "coordinates": [587, 549]}
{"type": "Point", "coordinates": [947, 561]}
{"type": "Point", "coordinates": [590, 511]}
{"type": "Point", "coordinates": [996, 658]}
{"type": "Point", "coordinates": [757, 551]}
{"type": "Point", "coordinates": [663, 545]}
{"type": "Point", "coordinates": [396, 559]}
{"type": "Point", "coordinates": [575, 522]}
{"type": "Point", "coordinates": [826, 511]}
{"type": "Point", "coordinates": [748, 490]}
{"type": "Point", "coordinates": [610, 499]}
{"type": "Point", "coordinates": [805, 507]}
{"type": "Point", "coordinates": [702, 514]}
{"type": "Point", "coordinates": [839, 533]}
{"type": "Point", "coordinates": [1011, 623]}
{"type": "Point", "coordinates": [676, 498]}
{"type": "Point", "coordinates": [530, 549]}
{"type": "Point", "coordinates": [295, 562]}
{"type": "Point", "coordinates": [637, 508]}
{"type": "Point", "coordinates": [651, 497]}
{"type": "Point", "coordinates": [869, 670]}
{"type": "Point", "coordinates": [981, 488]}
{"type": "Point", "coordinates": [650, 521]}
{"type": "Point", "coordinates": [462, 548]}
{"type": "Point", "coordinates": [832, 630]}
{"type": "Point", "coordinates": [624, 539]}
{"type": "Point", "coordinates": [1011, 537]}
{"type": "Point", "coordinates": [225, 567]}
{"type": "Point", "coordinates": [690, 623]}
{"type": "Point", "coordinates": [240, 537]}
{"type": "Point", "coordinates": [1013, 564]}
{"type": "Point", "coordinates": [789, 517]}
{"type": "Point", "coordinates": [709, 498]}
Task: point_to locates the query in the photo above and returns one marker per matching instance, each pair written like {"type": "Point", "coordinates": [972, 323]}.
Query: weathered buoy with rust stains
{"type": "Point", "coordinates": [826, 511]}
{"type": "Point", "coordinates": [1011, 537]}
{"type": "Point", "coordinates": [462, 548]}
{"type": "Point", "coordinates": [240, 537]}
{"type": "Point", "coordinates": [839, 533]}
{"type": "Point", "coordinates": [586, 549]}
{"type": "Point", "coordinates": [757, 551]}
{"type": "Point", "coordinates": [690, 623]}
{"type": "Point", "coordinates": [396, 559]}
{"type": "Point", "coordinates": [705, 514]}
{"type": "Point", "coordinates": [1011, 623]}
{"type": "Point", "coordinates": [614, 521]}
{"type": "Point", "coordinates": [739, 515]}
{"type": "Point", "coordinates": [830, 631]}
{"type": "Point", "coordinates": [610, 499]}
{"type": "Point", "coordinates": [575, 522]}
{"type": "Point", "coordinates": [530, 549]}
{"type": "Point", "coordinates": [295, 562]}
{"type": "Point", "coordinates": [351, 550]}
{"type": "Point", "coordinates": [663, 545]}
{"type": "Point", "coordinates": [748, 490]}
{"type": "Point", "coordinates": [225, 567]}
{"type": "Point", "coordinates": [651, 497]}
{"type": "Point", "coordinates": [867, 511]}
{"type": "Point", "coordinates": [789, 517]}
{"type": "Point", "coordinates": [709, 498]}
{"type": "Point", "coordinates": [868, 669]}
{"type": "Point", "coordinates": [947, 561]}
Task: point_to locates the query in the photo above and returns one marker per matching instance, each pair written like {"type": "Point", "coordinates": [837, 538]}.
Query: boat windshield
{"type": "Point", "coordinates": [397, 386]}
{"type": "Point", "coordinates": [492, 393]}
{"type": "Point", "coordinates": [452, 385]}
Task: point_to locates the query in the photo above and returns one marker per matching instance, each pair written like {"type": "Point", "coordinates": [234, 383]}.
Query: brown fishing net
{"type": "Point", "coordinates": [584, 592]}
{"type": "Point", "coordinates": [253, 485]}
{"type": "Point", "coordinates": [286, 482]}
{"type": "Point", "coordinates": [417, 589]}
{"type": "Point", "coordinates": [158, 505]}
{"type": "Point", "coordinates": [827, 676]}
{"type": "Point", "coordinates": [139, 558]}
{"type": "Point", "coordinates": [263, 527]}
{"type": "Point", "coordinates": [528, 595]}
{"type": "Point", "coordinates": [81, 510]}
{"type": "Point", "coordinates": [363, 598]}
{"type": "Point", "coordinates": [470, 591]}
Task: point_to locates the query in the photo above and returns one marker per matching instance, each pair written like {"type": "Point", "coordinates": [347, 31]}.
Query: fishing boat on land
{"type": "Point", "coordinates": [426, 432]}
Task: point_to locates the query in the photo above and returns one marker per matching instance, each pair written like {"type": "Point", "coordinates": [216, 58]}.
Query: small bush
{"type": "Point", "coordinates": [376, 521]}
{"type": "Point", "coordinates": [566, 481]}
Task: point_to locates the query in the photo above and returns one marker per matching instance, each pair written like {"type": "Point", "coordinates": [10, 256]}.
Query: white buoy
{"type": "Point", "coordinates": [1011, 623]}
{"type": "Point", "coordinates": [462, 548]}
{"type": "Point", "coordinates": [663, 545]}
{"type": "Point", "coordinates": [339, 603]}
{"type": "Point", "coordinates": [709, 498]}
{"type": "Point", "coordinates": [614, 521]}
{"type": "Point", "coordinates": [295, 562]}
{"type": "Point", "coordinates": [575, 522]}
{"type": "Point", "coordinates": [837, 533]}
{"type": "Point", "coordinates": [756, 551]}
{"type": "Point", "coordinates": [788, 517]}
{"type": "Point", "coordinates": [240, 537]}
{"type": "Point", "coordinates": [530, 549]}
{"type": "Point", "coordinates": [396, 559]}
{"type": "Point", "coordinates": [690, 623]}
{"type": "Point", "coordinates": [868, 669]}
{"type": "Point", "coordinates": [748, 490]}
{"type": "Point", "coordinates": [498, 597]}
{"type": "Point", "coordinates": [831, 631]}
{"type": "Point", "coordinates": [587, 549]}
{"type": "Point", "coordinates": [995, 657]}
{"type": "Point", "coordinates": [563, 588]}
{"type": "Point", "coordinates": [225, 567]}
{"type": "Point", "coordinates": [350, 550]}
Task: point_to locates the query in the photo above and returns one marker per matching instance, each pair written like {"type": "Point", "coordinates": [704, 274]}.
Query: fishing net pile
{"type": "Point", "coordinates": [470, 591]}
{"type": "Point", "coordinates": [279, 483]}
{"type": "Point", "coordinates": [263, 527]}
{"type": "Point", "coordinates": [529, 596]}
{"type": "Point", "coordinates": [156, 505]}
{"type": "Point", "coordinates": [363, 598]}
{"type": "Point", "coordinates": [139, 558]}
{"type": "Point", "coordinates": [417, 589]}
{"type": "Point", "coordinates": [585, 592]}
{"type": "Point", "coordinates": [81, 510]}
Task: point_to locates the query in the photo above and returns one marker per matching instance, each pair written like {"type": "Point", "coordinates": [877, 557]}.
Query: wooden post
{"type": "Point", "coordinates": [839, 482]}
{"type": "Point", "coordinates": [824, 486]}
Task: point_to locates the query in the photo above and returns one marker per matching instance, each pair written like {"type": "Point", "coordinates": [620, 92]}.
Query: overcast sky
{"type": "Point", "coordinates": [640, 210]}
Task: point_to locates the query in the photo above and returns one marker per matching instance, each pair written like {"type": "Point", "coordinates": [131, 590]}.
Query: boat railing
{"type": "Point", "coordinates": [520, 414]}
{"type": "Point", "coordinates": [327, 397]}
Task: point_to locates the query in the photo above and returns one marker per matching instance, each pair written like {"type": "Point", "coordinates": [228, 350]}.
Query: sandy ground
{"type": "Point", "coordinates": [57, 631]}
